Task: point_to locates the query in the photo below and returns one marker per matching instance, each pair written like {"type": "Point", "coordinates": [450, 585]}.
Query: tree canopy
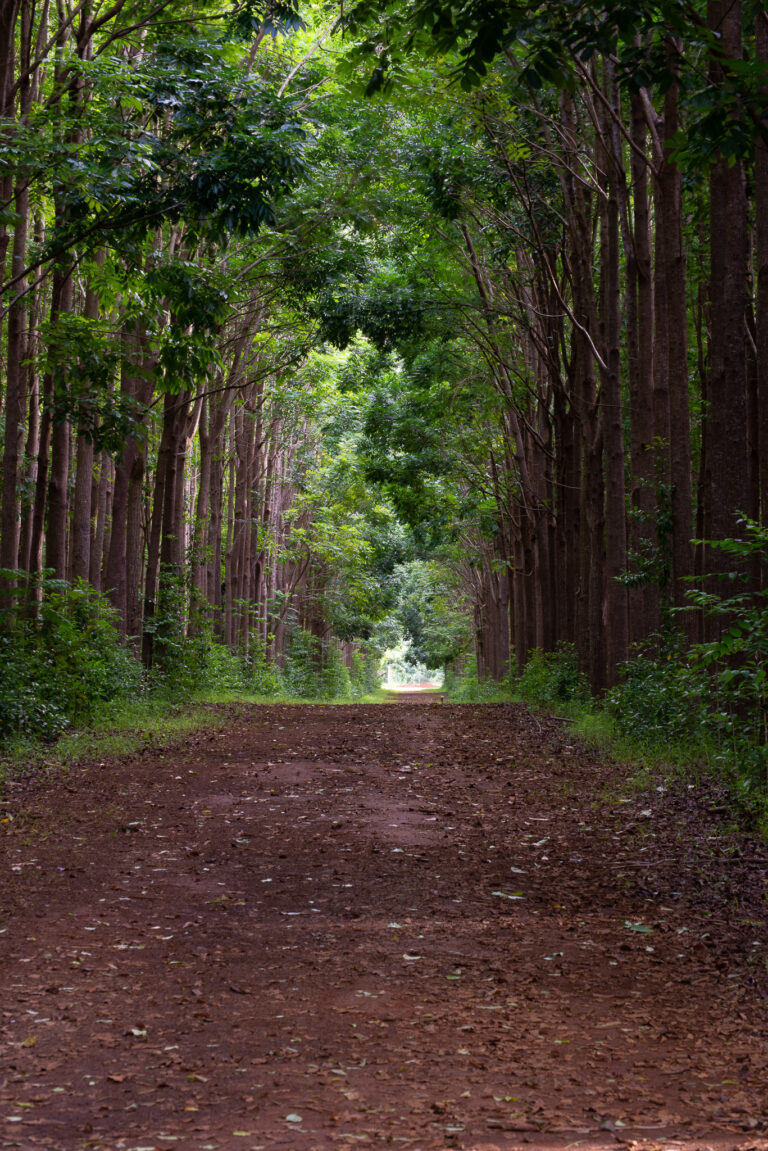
{"type": "Point", "coordinates": [420, 320]}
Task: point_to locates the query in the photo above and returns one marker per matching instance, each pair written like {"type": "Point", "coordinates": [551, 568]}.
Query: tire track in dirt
{"type": "Point", "coordinates": [414, 925]}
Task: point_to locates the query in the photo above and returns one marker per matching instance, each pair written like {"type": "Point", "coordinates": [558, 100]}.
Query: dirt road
{"type": "Point", "coordinates": [415, 925]}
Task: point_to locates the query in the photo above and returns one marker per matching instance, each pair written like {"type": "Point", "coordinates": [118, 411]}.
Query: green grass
{"type": "Point", "coordinates": [689, 760]}
{"type": "Point", "coordinates": [122, 729]}
{"type": "Point", "coordinates": [127, 727]}
{"type": "Point", "coordinates": [550, 685]}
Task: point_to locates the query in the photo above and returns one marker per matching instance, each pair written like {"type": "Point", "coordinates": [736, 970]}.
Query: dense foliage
{"type": "Point", "coordinates": [433, 331]}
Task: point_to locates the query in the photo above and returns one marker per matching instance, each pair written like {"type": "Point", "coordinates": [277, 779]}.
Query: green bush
{"type": "Point", "coordinates": [467, 687]}
{"type": "Point", "coordinates": [364, 673]}
{"type": "Point", "coordinates": [735, 663]}
{"type": "Point", "coordinates": [335, 682]}
{"type": "Point", "coordinates": [261, 676]}
{"type": "Point", "coordinates": [552, 679]}
{"type": "Point", "coordinates": [314, 670]}
{"type": "Point", "coordinates": [181, 640]}
{"type": "Point", "coordinates": [302, 665]}
{"type": "Point", "coordinates": [60, 658]}
{"type": "Point", "coordinates": [218, 668]}
{"type": "Point", "coordinates": [659, 701]}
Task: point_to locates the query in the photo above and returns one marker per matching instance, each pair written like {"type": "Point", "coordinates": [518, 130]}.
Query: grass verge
{"type": "Point", "coordinates": [127, 727]}
{"type": "Point", "coordinates": [653, 729]}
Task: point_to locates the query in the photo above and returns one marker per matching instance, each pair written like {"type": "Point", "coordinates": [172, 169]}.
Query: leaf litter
{"type": "Point", "coordinates": [559, 1025]}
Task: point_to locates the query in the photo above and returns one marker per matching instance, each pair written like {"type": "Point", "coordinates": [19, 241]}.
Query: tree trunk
{"type": "Point", "coordinates": [566, 509]}
{"type": "Point", "coordinates": [134, 544]}
{"type": "Point", "coordinates": [56, 534]}
{"type": "Point", "coordinates": [644, 598]}
{"type": "Point", "coordinates": [15, 398]}
{"type": "Point", "coordinates": [612, 430]}
{"type": "Point", "coordinates": [9, 13]}
{"type": "Point", "coordinates": [41, 482]}
{"type": "Point", "coordinates": [206, 546]}
{"type": "Point", "coordinates": [80, 550]}
{"type": "Point", "coordinates": [31, 449]}
{"type": "Point", "coordinates": [726, 480]}
{"type": "Point", "coordinates": [200, 549]}
{"type": "Point", "coordinates": [761, 263]}
{"type": "Point", "coordinates": [677, 357]}
{"type": "Point", "coordinates": [136, 384]}
{"type": "Point", "coordinates": [229, 577]}
{"type": "Point", "coordinates": [215, 572]}
{"type": "Point", "coordinates": [155, 536]}
{"type": "Point", "coordinates": [103, 509]}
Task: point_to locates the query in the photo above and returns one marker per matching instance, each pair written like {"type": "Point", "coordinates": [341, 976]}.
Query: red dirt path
{"type": "Point", "coordinates": [415, 925]}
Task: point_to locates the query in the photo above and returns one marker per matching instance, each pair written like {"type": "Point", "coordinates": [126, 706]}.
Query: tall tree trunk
{"type": "Point", "coordinates": [585, 400]}
{"type": "Point", "coordinates": [9, 14]}
{"type": "Point", "coordinates": [215, 571]}
{"type": "Point", "coordinates": [229, 575]}
{"type": "Point", "coordinates": [594, 520]}
{"type": "Point", "coordinates": [31, 449]}
{"type": "Point", "coordinates": [103, 508]}
{"type": "Point", "coordinates": [134, 544]}
{"type": "Point", "coordinates": [567, 505]}
{"type": "Point", "coordinates": [644, 598]}
{"type": "Point", "coordinates": [17, 375]}
{"type": "Point", "coordinates": [761, 262]}
{"type": "Point", "coordinates": [677, 353]}
{"type": "Point", "coordinates": [244, 444]}
{"type": "Point", "coordinates": [80, 551]}
{"type": "Point", "coordinates": [41, 482]}
{"type": "Point", "coordinates": [115, 569]}
{"type": "Point", "coordinates": [72, 87]}
{"type": "Point", "coordinates": [155, 537]}
{"type": "Point", "coordinates": [612, 428]}
{"type": "Point", "coordinates": [33, 441]}
{"type": "Point", "coordinates": [136, 384]}
{"type": "Point", "coordinates": [200, 549]}
{"type": "Point", "coordinates": [726, 479]}
{"type": "Point", "coordinates": [56, 534]}
{"type": "Point", "coordinates": [15, 398]}
{"type": "Point", "coordinates": [206, 546]}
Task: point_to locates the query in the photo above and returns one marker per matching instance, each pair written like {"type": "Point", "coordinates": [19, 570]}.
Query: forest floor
{"type": "Point", "coordinates": [417, 924]}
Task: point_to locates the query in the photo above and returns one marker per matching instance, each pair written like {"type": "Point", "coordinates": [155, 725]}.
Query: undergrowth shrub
{"type": "Point", "coordinates": [61, 657]}
{"type": "Point", "coordinates": [364, 673]}
{"type": "Point", "coordinates": [261, 676]}
{"type": "Point", "coordinates": [219, 668]}
{"type": "Point", "coordinates": [464, 686]}
{"type": "Point", "coordinates": [735, 662]}
{"type": "Point", "coordinates": [335, 682]}
{"type": "Point", "coordinates": [468, 687]}
{"type": "Point", "coordinates": [711, 699]}
{"type": "Point", "coordinates": [182, 643]}
{"type": "Point", "coordinates": [210, 666]}
{"type": "Point", "coordinates": [302, 665]}
{"type": "Point", "coordinates": [317, 670]}
{"type": "Point", "coordinates": [660, 700]}
{"type": "Point", "coordinates": [551, 679]}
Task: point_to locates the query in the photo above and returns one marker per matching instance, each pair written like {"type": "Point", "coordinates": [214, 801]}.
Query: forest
{"type": "Point", "coordinates": [413, 327]}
